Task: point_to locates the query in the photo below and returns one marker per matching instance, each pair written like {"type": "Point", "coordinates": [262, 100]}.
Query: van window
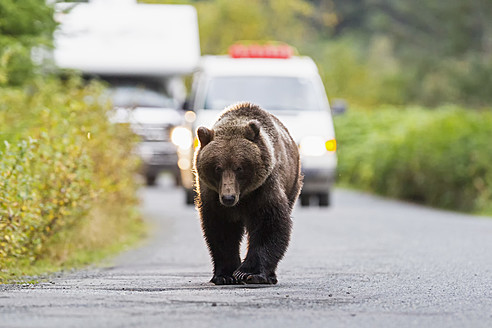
{"type": "Point", "coordinates": [269, 92]}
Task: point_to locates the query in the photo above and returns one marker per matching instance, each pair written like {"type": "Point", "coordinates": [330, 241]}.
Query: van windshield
{"type": "Point", "coordinates": [269, 92]}
{"type": "Point", "coordinates": [136, 96]}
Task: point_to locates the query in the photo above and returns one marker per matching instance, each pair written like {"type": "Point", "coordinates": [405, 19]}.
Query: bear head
{"type": "Point", "coordinates": [232, 160]}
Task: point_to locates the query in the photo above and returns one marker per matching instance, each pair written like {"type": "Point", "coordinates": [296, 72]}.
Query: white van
{"type": "Point", "coordinates": [289, 87]}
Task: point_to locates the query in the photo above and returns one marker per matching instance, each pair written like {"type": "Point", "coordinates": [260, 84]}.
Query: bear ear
{"type": "Point", "coordinates": [252, 130]}
{"type": "Point", "coordinates": [204, 135]}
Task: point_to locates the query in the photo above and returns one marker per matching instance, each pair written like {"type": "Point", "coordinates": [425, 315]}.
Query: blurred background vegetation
{"type": "Point", "coordinates": [437, 157]}
{"type": "Point", "coordinates": [417, 75]}
{"type": "Point", "coordinates": [370, 52]}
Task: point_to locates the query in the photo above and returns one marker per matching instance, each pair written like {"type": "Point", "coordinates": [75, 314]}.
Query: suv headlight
{"type": "Point", "coordinates": [182, 137]}
{"type": "Point", "coordinates": [316, 146]}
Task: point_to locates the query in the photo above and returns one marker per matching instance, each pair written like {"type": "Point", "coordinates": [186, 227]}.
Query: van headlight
{"type": "Point", "coordinates": [316, 146]}
{"type": "Point", "coordinates": [181, 137]}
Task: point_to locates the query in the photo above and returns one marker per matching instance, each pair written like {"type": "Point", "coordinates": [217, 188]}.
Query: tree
{"type": "Point", "coordinates": [223, 22]}
{"type": "Point", "coordinates": [23, 25]}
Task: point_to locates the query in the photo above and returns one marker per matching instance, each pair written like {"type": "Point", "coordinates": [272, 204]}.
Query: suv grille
{"type": "Point", "coordinates": [153, 132]}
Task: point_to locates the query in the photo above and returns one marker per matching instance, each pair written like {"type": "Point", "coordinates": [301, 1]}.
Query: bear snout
{"type": "Point", "coordinates": [229, 189]}
{"type": "Point", "coordinates": [228, 200]}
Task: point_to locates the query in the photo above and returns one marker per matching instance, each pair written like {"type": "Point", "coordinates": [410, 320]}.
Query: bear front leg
{"type": "Point", "coordinates": [223, 238]}
{"type": "Point", "coordinates": [269, 236]}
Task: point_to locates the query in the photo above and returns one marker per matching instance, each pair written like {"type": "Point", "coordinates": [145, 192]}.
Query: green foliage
{"type": "Point", "coordinates": [23, 25]}
{"type": "Point", "coordinates": [66, 173]}
{"type": "Point", "coordinates": [439, 158]}
{"type": "Point", "coordinates": [370, 52]}
{"type": "Point", "coordinates": [362, 80]}
{"type": "Point", "coordinates": [443, 49]}
{"type": "Point", "coordinates": [224, 22]}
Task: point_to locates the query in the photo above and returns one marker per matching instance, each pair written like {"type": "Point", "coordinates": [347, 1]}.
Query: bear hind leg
{"type": "Point", "coordinates": [269, 236]}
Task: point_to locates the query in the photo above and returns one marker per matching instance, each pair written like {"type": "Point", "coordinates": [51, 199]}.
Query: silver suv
{"type": "Point", "coordinates": [152, 115]}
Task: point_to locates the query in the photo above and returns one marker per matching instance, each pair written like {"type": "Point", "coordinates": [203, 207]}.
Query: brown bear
{"type": "Point", "coordinates": [248, 178]}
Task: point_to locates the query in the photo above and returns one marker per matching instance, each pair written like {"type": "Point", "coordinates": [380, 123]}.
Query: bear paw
{"type": "Point", "coordinates": [251, 278]}
{"type": "Point", "coordinates": [223, 280]}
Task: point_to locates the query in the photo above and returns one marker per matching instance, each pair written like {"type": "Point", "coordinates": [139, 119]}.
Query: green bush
{"type": "Point", "coordinates": [66, 173]}
{"type": "Point", "coordinates": [362, 79]}
{"type": "Point", "coordinates": [439, 158]}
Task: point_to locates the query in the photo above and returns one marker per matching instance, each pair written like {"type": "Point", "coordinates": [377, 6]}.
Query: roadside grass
{"type": "Point", "coordinates": [95, 243]}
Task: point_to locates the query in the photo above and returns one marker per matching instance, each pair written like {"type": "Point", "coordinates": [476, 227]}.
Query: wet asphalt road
{"type": "Point", "coordinates": [364, 262]}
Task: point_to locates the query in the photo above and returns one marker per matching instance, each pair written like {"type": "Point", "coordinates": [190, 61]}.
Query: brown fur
{"type": "Point", "coordinates": [248, 179]}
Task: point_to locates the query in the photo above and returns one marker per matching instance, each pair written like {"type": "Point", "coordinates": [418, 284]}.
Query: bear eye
{"type": "Point", "coordinates": [238, 169]}
{"type": "Point", "coordinates": [218, 170]}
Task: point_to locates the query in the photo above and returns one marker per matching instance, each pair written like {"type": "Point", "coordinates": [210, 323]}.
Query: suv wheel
{"type": "Point", "coordinates": [304, 199]}
{"type": "Point", "coordinates": [324, 199]}
{"type": "Point", "coordinates": [190, 197]}
{"type": "Point", "coordinates": [150, 179]}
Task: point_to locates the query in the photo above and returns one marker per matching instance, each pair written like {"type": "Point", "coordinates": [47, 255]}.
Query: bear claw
{"type": "Point", "coordinates": [223, 280]}
{"type": "Point", "coordinates": [250, 278]}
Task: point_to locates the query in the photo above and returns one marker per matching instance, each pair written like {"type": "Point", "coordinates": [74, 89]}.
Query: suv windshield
{"type": "Point", "coordinates": [130, 96]}
{"type": "Point", "coordinates": [269, 92]}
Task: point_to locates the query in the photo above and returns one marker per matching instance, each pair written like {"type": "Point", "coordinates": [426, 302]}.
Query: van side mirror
{"type": "Point", "coordinates": [339, 106]}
